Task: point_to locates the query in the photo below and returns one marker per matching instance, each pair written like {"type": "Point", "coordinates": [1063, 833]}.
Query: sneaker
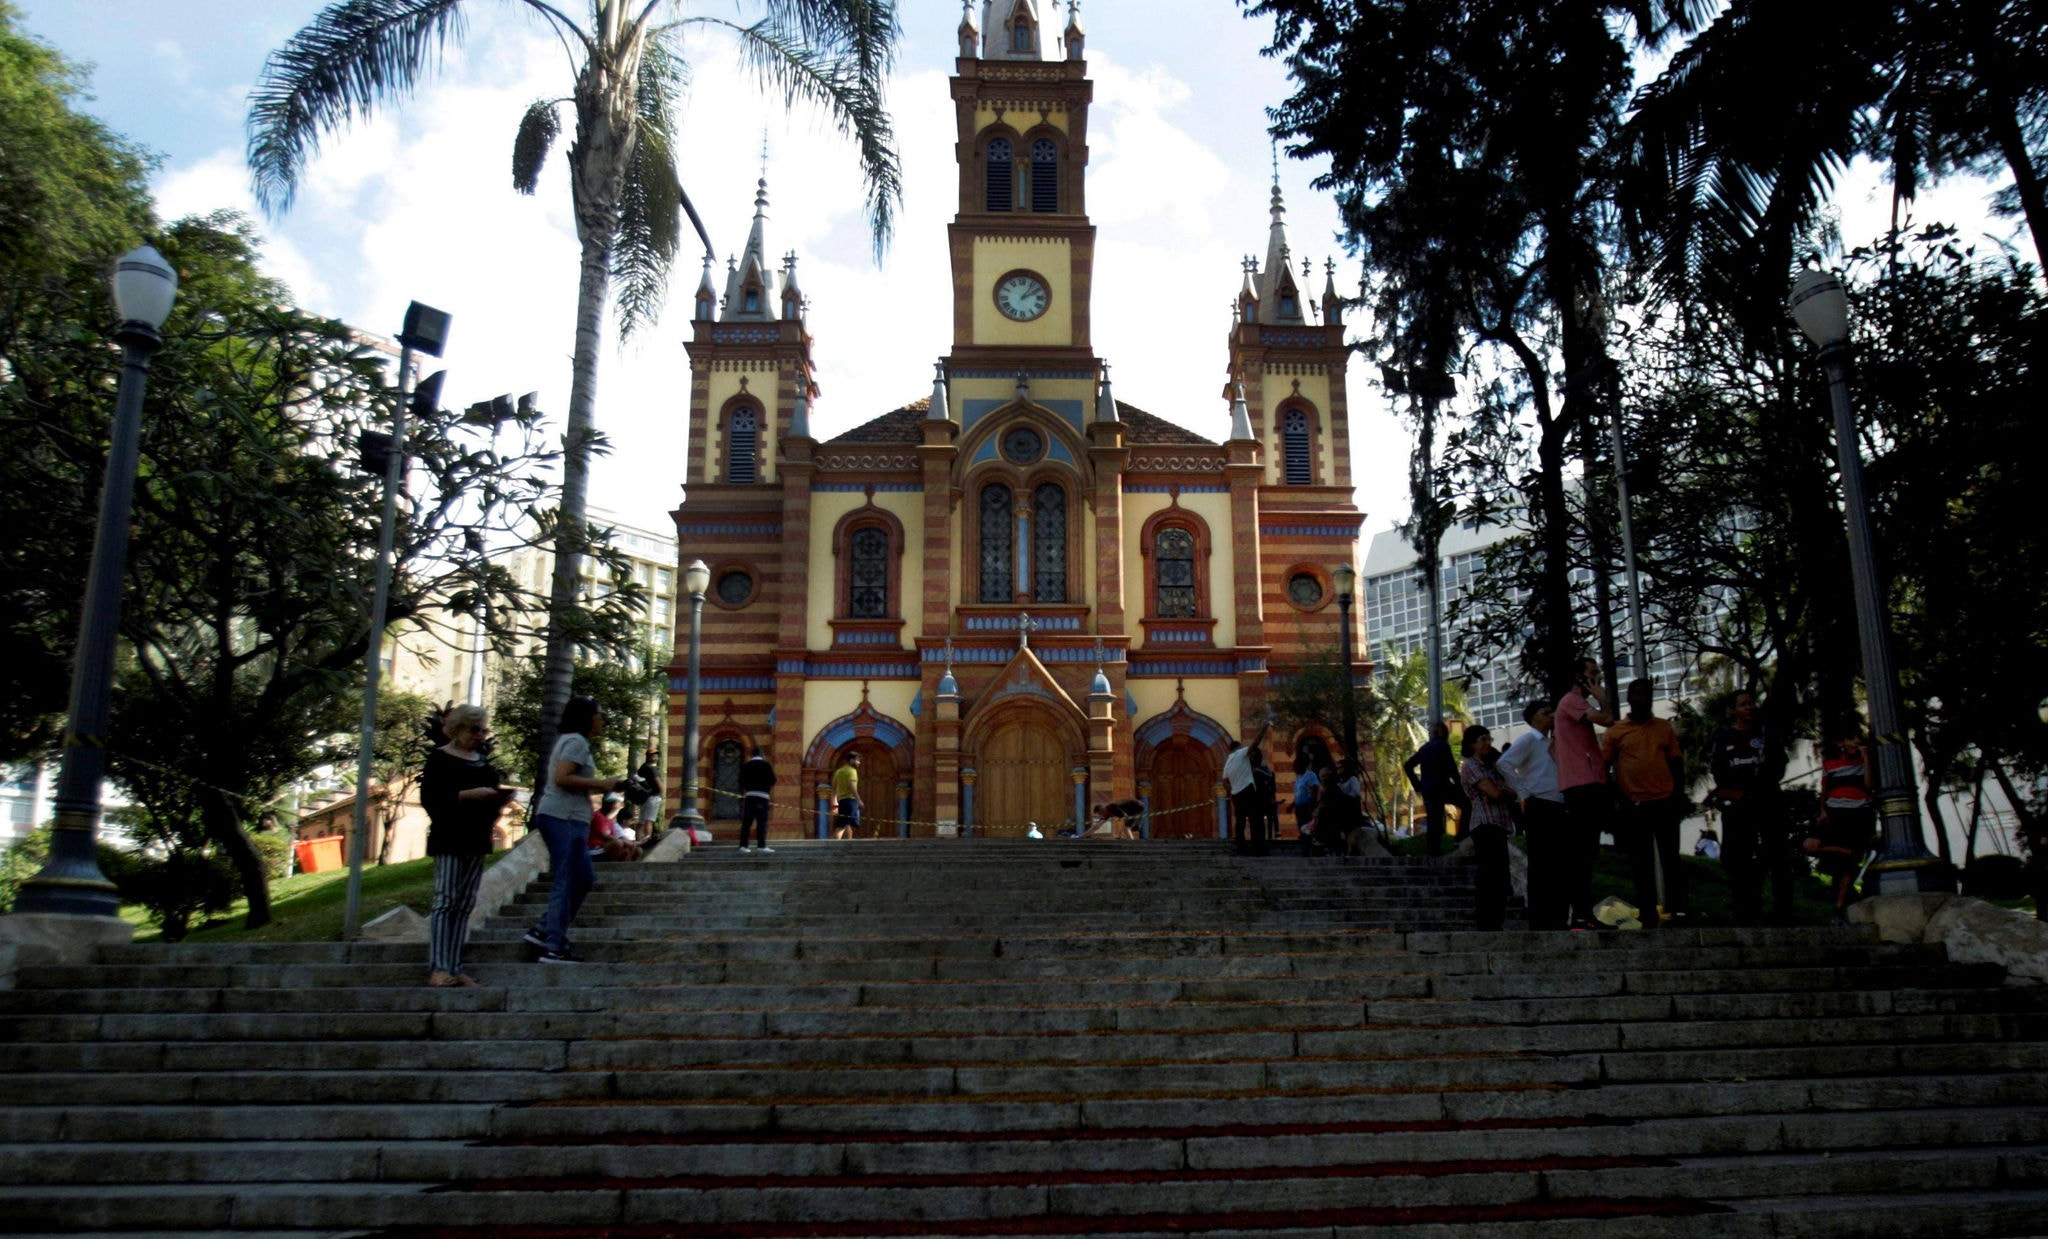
{"type": "Point", "coordinates": [535, 938]}
{"type": "Point", "coordinates": [747, 849]}
{"type": "Point", "coordinates": [560, 957]}
{"type": "Point", "coordinates": [766, 850]}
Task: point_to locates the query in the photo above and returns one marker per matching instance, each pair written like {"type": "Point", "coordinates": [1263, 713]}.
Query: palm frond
{"type": "Point", "coordinates": [863, 30]}
{"type": "Point", "coordinates": [353, 55]}
{"type": "Point", "coordinates": [650, 197]}
{"type": "Point", "coordinates": [840, 84]}
{"type": "Point", "coordinates": [538, 130]}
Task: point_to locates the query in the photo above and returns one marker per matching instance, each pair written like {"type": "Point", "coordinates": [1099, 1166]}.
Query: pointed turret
{"type": "Point", "coordinates": [941, 409]}
{"type": "Point", "coordinates": [707, 293]}
{"type": "Point", "coordinates": [970, 38]}
{"type": "Point", "coordinates": [800, 414]}
{"type": "Point", "coordinates": [1240, 416]}
{"type": "Point", "coordinates": [1105, 403]}
{"type": "Point", "coordinates": [1333, 305]}
{"type": "Point", "coordinates": [1279, 297]}
{"type": "Point", "coordinates": [750, 288]}
{"type": "Point", "coordinates": [792, 296]}
{"type": "Point", "coordinates": [1011, 30]}
{"type": "Point", "coordinates": [1075, 39]}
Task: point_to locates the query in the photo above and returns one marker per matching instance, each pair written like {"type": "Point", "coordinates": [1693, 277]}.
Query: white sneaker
{"type": "Point", "coordinates": [746, 849]}
{"type": "Point", "coordinates": [766, 850]}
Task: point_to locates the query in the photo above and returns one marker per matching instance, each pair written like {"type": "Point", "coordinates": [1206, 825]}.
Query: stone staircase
{"type": "Point", "coordinates": [1043, 1038]}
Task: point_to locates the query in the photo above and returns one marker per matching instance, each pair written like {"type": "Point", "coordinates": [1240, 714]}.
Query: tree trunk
{"type": "Point", "coordinates": [1994, 59]}
{"type": "Point", "coordinates": [2032, 836]}
{"type": "Point", "coordinates": [224, 827]}
{"type": "Point", "coordinates": [1600, 552]}
{"type": "Point", "coordinates": [1976, 816]}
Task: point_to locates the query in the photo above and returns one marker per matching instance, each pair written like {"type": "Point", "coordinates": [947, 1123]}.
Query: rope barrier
{"type": "Point", "coordinates": [977, 827]}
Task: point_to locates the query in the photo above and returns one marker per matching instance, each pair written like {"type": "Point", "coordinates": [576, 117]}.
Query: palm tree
{"type": "Point", "coordinates": [1734, 149]}
{"type": "Point", "coordinates": [1397, 709]}
{"type": "Point", "coordinates": [358, 54]}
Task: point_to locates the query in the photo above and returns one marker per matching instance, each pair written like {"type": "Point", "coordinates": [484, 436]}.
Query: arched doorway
{"type": "Point", "coordinates": [1023, 766]}
{"type": "Point", "coordinates": [877, 787]}
{"type": "Point", "coordinates": [1184, 779]}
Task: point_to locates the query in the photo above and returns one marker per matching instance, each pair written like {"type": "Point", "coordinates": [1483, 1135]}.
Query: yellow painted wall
{"type": "Point", "coordinates": [828, 508]}
{"type": "Point", "coordinates": [1214, 510]}
{"type": "Point", "coordinates": [1315, 388]}
{"type": "Point", "coordinates": [1020, 119]}
{"type": "Point", "coordinates": [725, 384]}
{"type": "Point", "coordinates": [995, 257]}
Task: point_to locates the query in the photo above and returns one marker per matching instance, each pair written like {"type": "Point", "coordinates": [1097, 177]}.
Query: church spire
{"type": "Point", "coordinates": [750, 287]}
{"type": "Point", "coordinates": [1279, 297]}
{"type": "Point", "coordinates": [1010, 30]}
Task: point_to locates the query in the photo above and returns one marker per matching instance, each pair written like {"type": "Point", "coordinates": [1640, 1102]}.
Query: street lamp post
{"type": "Point", "coordinates": [425, 331]}
{"type": "Point", "coordinates": [70, 882]}
{"type": "Point", "coordinates": [1821, 308]}
{"type": "Point", "coordinates": [1346, 578]}
{"type": "Point", "coordinates": [696, 579]}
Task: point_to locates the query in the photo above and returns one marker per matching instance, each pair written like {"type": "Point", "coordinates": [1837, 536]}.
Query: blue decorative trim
{"type": "Point", "coordinates": [867, 638]}
{"type": "Point", "coordinates": [1158, 729]}
{"type": "Point", "coordinates": [1008, 623]}
{"type": "Point", "coordinates": [917, 703]}
{"type": "Point", "coordinates": [746, 335]}
{"type": "Point", "coordinates": [987, 451]}
{"type": "Point", "coordinates": [1145, 664]}
{"type": "Point", "coordinates": [848, 671]}
{"type": "Point", "coordinates": [1192, 637]}
{"type": "Point", "coordinates": [1110, 655]}
{"type": "Point", "coordinates": [972, 410]}
{"type": "Point", "coordinates": [959, 373]}
{"type": "Point", "coordinates": [1164, 488]}
{"type": "Point", "coordinates": [1058, 451]}
{"type": "Point", "coordinates": [840, 731]}
{"type": "Point", "coordinates": [725, 684]}
{"type": "Point", "coordinates": [1337, 531]}
{"type": "Point", "coordinates": [729, 528]}
{"type": "Point", "coordinates": [857, 488]}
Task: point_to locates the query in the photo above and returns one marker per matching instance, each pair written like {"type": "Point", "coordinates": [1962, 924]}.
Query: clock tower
{"type": "Point", "coordinates": [1022, 248]}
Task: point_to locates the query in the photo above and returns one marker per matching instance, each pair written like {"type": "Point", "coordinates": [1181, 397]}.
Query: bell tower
{"type": "Point", "coordinates": [1023, 251]}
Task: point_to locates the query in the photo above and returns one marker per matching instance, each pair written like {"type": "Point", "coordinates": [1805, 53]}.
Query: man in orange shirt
{"type": "Point", "coordinates": [1649, 771]}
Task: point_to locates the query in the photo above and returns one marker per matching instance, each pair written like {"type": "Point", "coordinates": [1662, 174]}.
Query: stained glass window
{"type": "Point", "coordinates": [1001, 170]}
{"type": "Point", "coordinates": [1045, 175]}
{"type": "Point", "coordinates": [1049, 543]}
{"type": "Point", "coordinates": [725, 781]}
{"type": "Point", "coordinates": [997, 544]}
{"type": "Point", "coordinates": [1173, 564]}
{"type": "Point", "coordinates": [735, 587]}
{"type": "Point", "coordinates": [1294, 448]}
{"type": "Point", "coordinates": [868, 579]}
{"type": "Point", "coordinates": [741, 437]}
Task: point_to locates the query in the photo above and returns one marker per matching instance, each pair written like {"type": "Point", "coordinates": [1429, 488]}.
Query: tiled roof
{"type": "Point", "coordinates": [904, 425]}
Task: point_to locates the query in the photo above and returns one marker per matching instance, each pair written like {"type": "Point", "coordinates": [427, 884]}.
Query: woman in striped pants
{"type": "Point", "coordinates": [461, 793]}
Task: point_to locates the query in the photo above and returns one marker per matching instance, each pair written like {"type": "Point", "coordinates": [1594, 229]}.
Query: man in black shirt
{"type": "Point", "coordinates": [757, 782]}
{"type": "Point", "coordinates": [1433, 772]}
{"type": "Point", "coordinates": [1753, 830]}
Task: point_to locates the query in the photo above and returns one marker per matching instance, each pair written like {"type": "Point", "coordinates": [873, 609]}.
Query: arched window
{"type": "Point", "coordinates": [1002, 171]}
{"type": "Point", "coordinates": [1173, 566]}
{"type": "Point", "coordinates": [998, 546]}
{"type": "Point", "coordinates": [1049, 543]}
{"type": "Point", "coordinates": [1045, 175]}
{"type": "Point", "coordinates": [1020, 34]}
{"type": "Point", "coordinates": [742, 441]}
{"type": "Point", "coordinates": [868, 574]}
{"type": "Point", "coordinates": [725, 781]}
{"type": "Point", "coordinates": [1294, 449]}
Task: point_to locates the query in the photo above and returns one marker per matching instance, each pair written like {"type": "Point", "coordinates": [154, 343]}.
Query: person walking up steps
{"type": "Point", "coordinates": [1582, 778]}
{"type": "Point", "coordinates": [463, 795]}
{"type": "Point", "coordinates": [757, 783]}
{"type": "Point", "coordinates": [563, 818]}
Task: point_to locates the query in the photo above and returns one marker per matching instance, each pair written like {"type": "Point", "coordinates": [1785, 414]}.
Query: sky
{"type": "Point", "coordinates": [415, 203]}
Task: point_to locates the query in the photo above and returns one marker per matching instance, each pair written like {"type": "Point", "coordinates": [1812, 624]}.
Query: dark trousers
{"type": "Point", "coordinates": [1491, 885]}
{"type": "Point", "coordinates": [1254, 824]}
{"type": "Point", "coordinates": [1547, 827]}
{"type": "Point", "coordinates": [1753, 848]}
{"type": "Point", "coordinates": [1589, 812]}
{"type": "Point", "coordinates": [570, 875]}
{"type": "Point", "coordinates": [1433, 821]}
{"type": "Point", "coordinates": [754, 812]}
{"type": "Point", "coordinates": [1652, 827]}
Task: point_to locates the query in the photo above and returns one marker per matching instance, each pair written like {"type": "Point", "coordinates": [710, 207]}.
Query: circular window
{"type": "Point", "coordinates": [1305, 590]}
{"type": "Point", "coordinates": [735, 587]}
{"type": "Point", "coordinates": [1022, 446]}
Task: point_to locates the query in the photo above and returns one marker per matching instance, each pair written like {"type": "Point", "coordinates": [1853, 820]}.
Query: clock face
{"type": "Point", "coordinates": [1023, 296]}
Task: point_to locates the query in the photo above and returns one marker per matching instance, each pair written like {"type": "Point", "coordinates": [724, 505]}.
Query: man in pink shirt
{"type": "Point", "coordinates": [1582, 778]}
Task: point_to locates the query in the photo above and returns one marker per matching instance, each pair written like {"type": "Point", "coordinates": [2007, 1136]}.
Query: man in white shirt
{"type": "Point", "coordinates": [1531, 773]}
{"type": "Point", "coordinates": [1248, 828]}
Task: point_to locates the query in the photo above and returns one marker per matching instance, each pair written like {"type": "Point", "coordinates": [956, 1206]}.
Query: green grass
{"type": "Point", "coordinates": [310, 907]}
{"type": "Point", "coordinates": [1813, 901]}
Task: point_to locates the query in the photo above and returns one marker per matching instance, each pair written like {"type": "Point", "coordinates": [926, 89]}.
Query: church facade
{"type": "Point", "coordinates": [1018, 596]}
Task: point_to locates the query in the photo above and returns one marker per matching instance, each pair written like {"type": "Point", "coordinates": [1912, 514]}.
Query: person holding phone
{"type": "Point", "coordinates": [463, 795]}
{"type": "Point", "coordinates": [563, 819]}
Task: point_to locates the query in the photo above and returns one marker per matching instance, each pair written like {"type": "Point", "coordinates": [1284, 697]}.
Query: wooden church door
{"type": "Point", "coordinates": [1023, 769]}
{"type": "Point", "coordinates": [1183, 775]}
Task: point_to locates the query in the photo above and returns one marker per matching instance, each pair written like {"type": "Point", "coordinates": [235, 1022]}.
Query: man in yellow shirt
{"type": "Point", "coordinates": [1650, 773]}
{"type": "Point", "coordinates": [846, 791]}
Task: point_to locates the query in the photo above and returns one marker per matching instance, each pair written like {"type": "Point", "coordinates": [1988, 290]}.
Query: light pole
{"type": "Point", "coordinates": [1639, 649]}
{"type": "Point", "coordinates": [696, 579]}
{"type": "Point", "coordinates": [1346, 578]}
{"type": "Point", "coordinates": [425, 331]}
{"type": "Point", "coordinates": [1821, 308]}
{"type": "Point", "coordinates": [70, 882]}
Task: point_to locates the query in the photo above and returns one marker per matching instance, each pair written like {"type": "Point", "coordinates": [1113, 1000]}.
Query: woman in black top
{"type": "Point", "coordinates": [461, 794]}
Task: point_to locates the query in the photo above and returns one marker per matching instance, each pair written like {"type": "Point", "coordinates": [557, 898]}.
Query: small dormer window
{"type": "Point", "coordinates": [752, 302]}
{"type": "Point", "coordinates": [704, 307]}
{"type": "Point", "coordinates": [1288, 308]}
{"type": "Point", "coordinates": [1021, 36]}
